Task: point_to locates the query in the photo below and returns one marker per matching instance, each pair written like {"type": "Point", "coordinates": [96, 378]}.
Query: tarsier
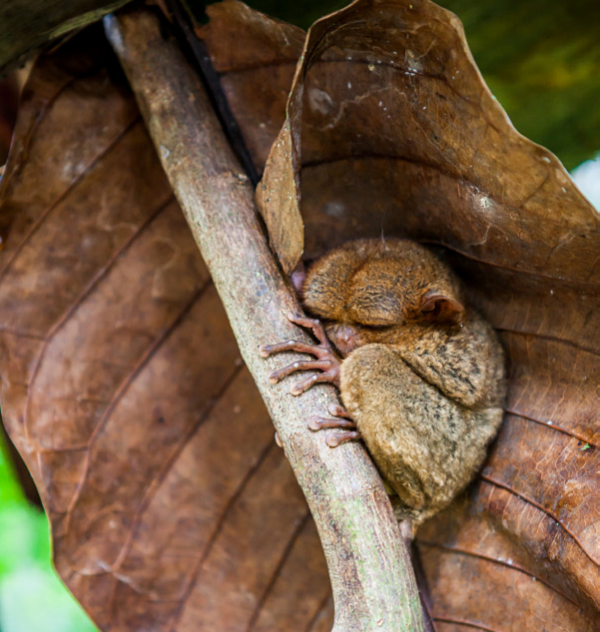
{"type": "Point", "coordinates": [421, 375]}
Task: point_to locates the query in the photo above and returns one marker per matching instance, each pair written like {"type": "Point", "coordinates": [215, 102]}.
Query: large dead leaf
{"type": "Point", "coordinates": [122, 386]}
{"type": "Point", "coordinates": [255, 57]}
{"type": "Point", "coordinates": [391, 131]}
{"type": "Point", "coordinates": [157, 488]}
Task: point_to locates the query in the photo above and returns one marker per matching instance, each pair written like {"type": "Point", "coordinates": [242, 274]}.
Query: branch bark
{"type": "Point", "coordinates": [371, 575]}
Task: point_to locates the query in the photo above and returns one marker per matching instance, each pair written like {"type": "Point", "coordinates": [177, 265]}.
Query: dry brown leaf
{"type": "Point", "coordinates": [122, 386]}
{"type": "Point", "coordinates": [517, 554]}
{"type": "Point", "coordinates": [400, 136]}
{"type": "Point", "coordinates": [255, 57]}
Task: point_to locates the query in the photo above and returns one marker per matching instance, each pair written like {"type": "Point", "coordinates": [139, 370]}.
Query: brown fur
{"type": "Point", "coordinates": [422, 375]}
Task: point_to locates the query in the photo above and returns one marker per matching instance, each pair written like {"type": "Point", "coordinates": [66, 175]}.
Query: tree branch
{"type": "Point", "coordinates": [372, 578]}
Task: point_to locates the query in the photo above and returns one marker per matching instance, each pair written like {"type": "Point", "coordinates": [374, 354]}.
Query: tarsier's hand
{"type": "Point", "coordinates": [328, 363]}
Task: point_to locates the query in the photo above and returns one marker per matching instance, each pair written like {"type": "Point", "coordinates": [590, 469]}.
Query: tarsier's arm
{"type": "Point", "coordinates": [466, 365]}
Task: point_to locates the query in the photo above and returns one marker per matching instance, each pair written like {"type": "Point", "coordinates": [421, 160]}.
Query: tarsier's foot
{"type": "Point", "coordinates": [343, 422]}
{"type": "Point", "coordinates": [327, 361]}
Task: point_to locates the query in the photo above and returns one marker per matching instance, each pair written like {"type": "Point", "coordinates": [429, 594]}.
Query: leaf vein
{"type": "Point", "coordinates": [553, 426]}
{"type": "Point", "coordinates": [89, 288]}
{"type": "Point", "coordinates": [45, 214]}
{"type": "Point", "coordinates": [464, 622]}
{"type": "Point", "coordinates": [492, 560]}
{"type": "Point", "coordinates": [160, 476]}
{"type": "Point", "coordinates": [126, 383]}
{"type": "Point", "coordinates": [277, 571]}
{"type": "Point", "coordinates": [218, 528]}
{"type": "Point", "coordinates": [547, 511]}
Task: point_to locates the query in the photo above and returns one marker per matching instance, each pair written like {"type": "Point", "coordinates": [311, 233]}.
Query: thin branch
{"type": "Point", "coordinates": [372, 579]}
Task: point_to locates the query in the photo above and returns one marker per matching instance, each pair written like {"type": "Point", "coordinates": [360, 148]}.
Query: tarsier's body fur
{"type": "Point", "coordinates": [421, 376]}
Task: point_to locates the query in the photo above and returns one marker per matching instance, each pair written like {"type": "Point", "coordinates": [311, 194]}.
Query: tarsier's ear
{"type": "Point", "coordinates": [441, 308]}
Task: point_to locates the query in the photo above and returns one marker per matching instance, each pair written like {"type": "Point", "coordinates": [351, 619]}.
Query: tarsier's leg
{"type": "Point", "coordinates": [413, 432]}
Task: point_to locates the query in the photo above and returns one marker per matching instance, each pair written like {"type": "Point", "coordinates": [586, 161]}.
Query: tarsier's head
{"type": "Point", "coordinates": [365, 291]}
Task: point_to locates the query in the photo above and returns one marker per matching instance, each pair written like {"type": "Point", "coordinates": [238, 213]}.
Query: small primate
{"type": "Point", "coordinates": [421, 374]}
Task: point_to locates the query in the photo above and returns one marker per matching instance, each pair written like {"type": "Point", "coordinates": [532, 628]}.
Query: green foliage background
{"type": "Point", "coordinates": [32, 598]}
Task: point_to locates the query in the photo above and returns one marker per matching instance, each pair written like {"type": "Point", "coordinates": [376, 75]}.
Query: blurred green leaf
{"type": "Point", "coordinates": [32, 598]}
{"type": "Point", "coordinates": [541, 58]}
{"type": "Point", "coordinates": [10, 491]}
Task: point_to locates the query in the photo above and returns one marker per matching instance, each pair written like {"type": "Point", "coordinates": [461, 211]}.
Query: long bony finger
{"type": "Point", "coordinates": [289, 345]}
{"type": "Point", "coordinates": [310, 323]}
{"type": "Point", "coordinates": [301, 365]}
{"type": "Point", "coordinates": [319, 423]}
{"type": "Point", "coordinates": [311, 380]}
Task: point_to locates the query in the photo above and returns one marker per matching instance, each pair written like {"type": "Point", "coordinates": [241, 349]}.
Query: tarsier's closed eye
{"type": "Point", "coordinates": [441, 308]}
